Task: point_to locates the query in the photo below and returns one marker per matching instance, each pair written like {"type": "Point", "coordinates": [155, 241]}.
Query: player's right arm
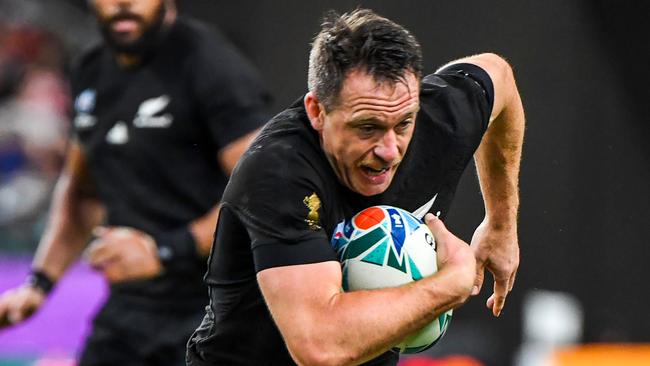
{"type": "Point", "coordinates": [74, 213]}
{"type": "Point", "coordinates": [322, 325]}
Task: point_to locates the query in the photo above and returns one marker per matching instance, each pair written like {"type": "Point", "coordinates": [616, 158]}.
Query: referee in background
{"type": "Point", "coordinates": [163, 107]}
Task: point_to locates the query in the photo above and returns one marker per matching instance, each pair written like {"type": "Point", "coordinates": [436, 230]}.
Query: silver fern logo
{"type": "Point", "coordinates": [149, 113]}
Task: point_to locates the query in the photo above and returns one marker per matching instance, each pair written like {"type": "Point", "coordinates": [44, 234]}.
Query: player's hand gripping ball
{"type": "Point", "coordinates": [384, 246]}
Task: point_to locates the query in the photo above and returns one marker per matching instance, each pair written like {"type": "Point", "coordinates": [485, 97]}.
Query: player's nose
{"type": "Point", "coordinates": [386, 148]}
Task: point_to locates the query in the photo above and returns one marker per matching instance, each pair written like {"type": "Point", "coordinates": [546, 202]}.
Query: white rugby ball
{"type": "Point", "coordinates": [385, 246]}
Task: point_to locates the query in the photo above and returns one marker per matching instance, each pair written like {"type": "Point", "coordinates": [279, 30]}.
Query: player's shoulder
{"type": "Point", "coordinates": [85, 67]}
{"type": "Point", "coordinates": [198, 37]}
{"type": "Point", "coordinates": [212, 56]}
{"type": "Point", "coordinates": [286, 149]}
{"type": "Point", "coordinates": [193, 31]}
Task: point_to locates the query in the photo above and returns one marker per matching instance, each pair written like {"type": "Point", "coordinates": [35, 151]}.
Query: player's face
{"type": "Point", "coordinates": [126, 23]}
{"type": "Point", "coordinates": [366, 135]}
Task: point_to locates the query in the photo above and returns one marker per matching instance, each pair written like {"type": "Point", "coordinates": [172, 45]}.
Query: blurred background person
{"type": "Point", "coordinates": [162, 111]}
{"type": "Point", "coordinates": [33, 109]}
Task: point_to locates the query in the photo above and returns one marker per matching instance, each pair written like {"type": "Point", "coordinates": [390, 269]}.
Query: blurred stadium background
{"type": "Point", "coordinates": [582, 69]}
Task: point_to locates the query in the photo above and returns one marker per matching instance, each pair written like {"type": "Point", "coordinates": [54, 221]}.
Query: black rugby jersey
{"type": "Point", "coordinates": [284, 201]}
{"type": "Point", "coordinates": [151, 135]}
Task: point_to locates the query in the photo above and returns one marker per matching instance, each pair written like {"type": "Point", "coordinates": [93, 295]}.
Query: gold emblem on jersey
{"type": "Point", "coordinates": [313, 204]}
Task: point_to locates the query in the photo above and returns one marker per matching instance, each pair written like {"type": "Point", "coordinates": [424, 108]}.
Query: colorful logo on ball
{"type": "Point", "coordinates": [378, 233]}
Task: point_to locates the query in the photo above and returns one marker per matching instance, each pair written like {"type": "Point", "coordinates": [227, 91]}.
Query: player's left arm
{"type": "Point", "coordinates": [497, 160]}
{"type": "Point", "coordinates": [203, 228]}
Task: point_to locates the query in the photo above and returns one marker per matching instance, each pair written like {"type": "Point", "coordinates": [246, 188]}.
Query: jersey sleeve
{"type": "Point", "coordinates": [278, 196]}
{"type": "Point", "coordinates": [233, 98]}
{"type": "Point", "coordinates": [480, 78]}
{"type": "Point", "coordinates": [461, 95]}
{"type": "Point", "coordinates": [82, 101]}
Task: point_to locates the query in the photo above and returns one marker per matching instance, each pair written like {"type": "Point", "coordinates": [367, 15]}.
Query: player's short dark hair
{"type": "Point", "coordinates": [359, 39]}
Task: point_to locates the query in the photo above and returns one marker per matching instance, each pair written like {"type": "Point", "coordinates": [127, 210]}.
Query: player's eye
{"type": "Point", "coordinates": [367, 130]}
{"type": "Point", "coordinates": [403, 126]}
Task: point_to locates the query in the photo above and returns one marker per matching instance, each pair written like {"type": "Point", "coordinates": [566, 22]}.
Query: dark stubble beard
{"type": "Point", "coordinates": [150, 34]}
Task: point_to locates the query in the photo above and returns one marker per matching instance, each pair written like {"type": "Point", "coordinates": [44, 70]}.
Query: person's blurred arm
{"type": "Point", "coordinates": [74, 213]}
{"type": "Point", "coordinates": [234, 103]}
{"type": "Point", "coordinates": [202, 229]}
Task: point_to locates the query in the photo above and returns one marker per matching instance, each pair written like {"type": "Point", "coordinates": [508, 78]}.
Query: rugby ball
{"type": "Point", "coordinates": [385, 246]}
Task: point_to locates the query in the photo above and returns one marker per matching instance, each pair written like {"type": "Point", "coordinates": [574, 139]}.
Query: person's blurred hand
{"type": "Point", "coordinates": [124, 254]}
{"type": "Point", "coordinates": [19, 304]}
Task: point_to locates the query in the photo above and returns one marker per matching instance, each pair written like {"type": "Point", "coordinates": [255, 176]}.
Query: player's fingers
{"type": "Point", "coordinates": [499, 296]}
{"type": "Point", "coordinates": [99, 231]}
{"type": "Point", "coordinates": [478, 281]}
{"type": "Point", "coordinates": [18, 307]}
{"type": "Point", "coordinates": [441, 237]}
{"type": "Point", "coordinates": [490, 302]}
{"type": "Point", "coordinates": [436, 226]}
{"type": "Point", "coordinates": [21, 312]}
{"type": "Point", "coordinates": [93, 252]}
{"type": "Point", "coordinates": [10, 305]}
{"type": "Point", "coordinates": [4, 319]}
{"type": "Point", "coordinates": [14, 316]}
{"type": "Point", "coordinates": [100, 253]}
{"type": "Point", "coordinates": [114, 273]}
{"type": "Point", "coordinates": [511, 281]}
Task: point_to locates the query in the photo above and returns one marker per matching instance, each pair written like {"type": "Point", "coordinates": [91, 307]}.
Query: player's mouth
{"type": "Point", "coordinates": [125, 23]}
{"type": "Point", "coordinates": [376, 174]}
{"type": "Point", "coordinates": [374, 171]}
{"type": "Point", "coordinates": [124, 26]}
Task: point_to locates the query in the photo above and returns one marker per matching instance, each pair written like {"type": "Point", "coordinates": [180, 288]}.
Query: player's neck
{"type": "Point", "coordinates": [127, 60]}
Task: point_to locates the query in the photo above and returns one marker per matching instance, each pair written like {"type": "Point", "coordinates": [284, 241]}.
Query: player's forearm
{"type": "Point", "coordinates": [414, 306]}
{"type": "Point", "coordinates": [72, 219]}
{"type": "Point", "coordinates": [498, 159]}
{"type": "Point", "coordinates": [348, 331]}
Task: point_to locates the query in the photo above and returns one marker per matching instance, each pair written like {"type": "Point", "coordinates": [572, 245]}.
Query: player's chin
{"type": "Point", "coordinates": [125, 41]}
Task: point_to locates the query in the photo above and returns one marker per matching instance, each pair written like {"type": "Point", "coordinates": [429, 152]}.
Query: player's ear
{"type": "Point", "coordinates": [315, 111]}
